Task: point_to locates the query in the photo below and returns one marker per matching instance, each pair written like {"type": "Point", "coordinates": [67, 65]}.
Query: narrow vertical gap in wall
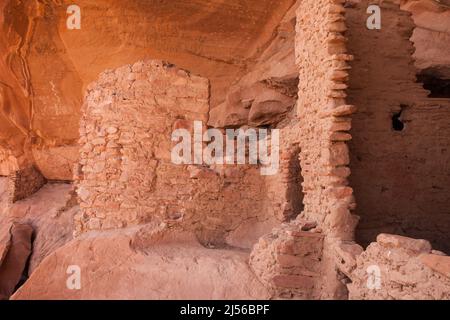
{"type": "Point", "coordinates": [397, 122]}
{"type": "Point", "coordinates": [294, 189]}
{"type": "Point", "coordinates": [26, 270]}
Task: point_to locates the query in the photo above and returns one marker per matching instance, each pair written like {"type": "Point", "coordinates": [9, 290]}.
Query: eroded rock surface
{"type": "Point", "coordinates": [268, 91]}
{"type": "Point", "coordinates": [123, 265]}
{"type": "Point", "coordinates": [49, 212]}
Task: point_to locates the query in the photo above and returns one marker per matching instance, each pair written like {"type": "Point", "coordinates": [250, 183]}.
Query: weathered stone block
{"type": "Point", "coordinates": [395, 241]}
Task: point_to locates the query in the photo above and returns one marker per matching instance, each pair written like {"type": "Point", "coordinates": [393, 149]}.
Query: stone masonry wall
{"type": "Point", "coordinates": [322, 58]}
{"type": "Point", "coordinates": [8, 163]}
{"type": "Point", "coordinates": [126, 176]}
{"type": "Point", "coordinates": [324, 122]}
{"type": "Point", "coordinates": [400, 160]}
{"type": "Point", "coordinates": [23, 183]}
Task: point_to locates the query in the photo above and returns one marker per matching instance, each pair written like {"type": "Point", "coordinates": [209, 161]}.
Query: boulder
{"type": "Point", "coordinates": [5, 240]}
{"type": "Point", "coordinates": [396, 241]}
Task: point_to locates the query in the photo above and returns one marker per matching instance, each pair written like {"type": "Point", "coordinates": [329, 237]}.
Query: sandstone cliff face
{"type": "Point", "coordinates": [87, 179]}
{"type": "Point", "coordinates": [431, 35]}
{"type": "Point", "coordinates": [45, 67]}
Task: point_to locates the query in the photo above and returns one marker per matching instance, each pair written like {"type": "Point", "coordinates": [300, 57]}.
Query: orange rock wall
{"type": "Point", "coordinates": [322, 58]}
{"type": "Point", "coordinates": [322, 132]}
{"type": "Point", "coordinates": [125, 170]}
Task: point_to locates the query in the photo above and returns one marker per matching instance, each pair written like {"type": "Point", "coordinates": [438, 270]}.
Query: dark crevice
{"type": "Point", "coordinates": [433, 81]}
{"type": "Point", "coordinates": [294, 190]}
{"type": "Point", "coordinates": [397, 123]}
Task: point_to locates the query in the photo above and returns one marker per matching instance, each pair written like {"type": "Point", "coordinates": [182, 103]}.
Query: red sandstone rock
{"type": "Point", "coordinates": [438, 263]}
{"type": "Point", "coordinates": [264, 95]}
{"type": "Point", "coordinates": [268, 107]}
{"type": "Point", "coordinates": [347, 254]}
{"type": "Point", "coordinates": [13, 264]}
{"type": "Point", "coordinates": [50, 212]}
{"type": "Point", "coordinates": [5, 240]}
{"type": "Point", "coordinates": [352, 120]}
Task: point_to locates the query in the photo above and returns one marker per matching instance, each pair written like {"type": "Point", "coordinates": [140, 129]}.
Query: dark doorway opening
{"type": "Point", "coordinates": [294, 188]}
